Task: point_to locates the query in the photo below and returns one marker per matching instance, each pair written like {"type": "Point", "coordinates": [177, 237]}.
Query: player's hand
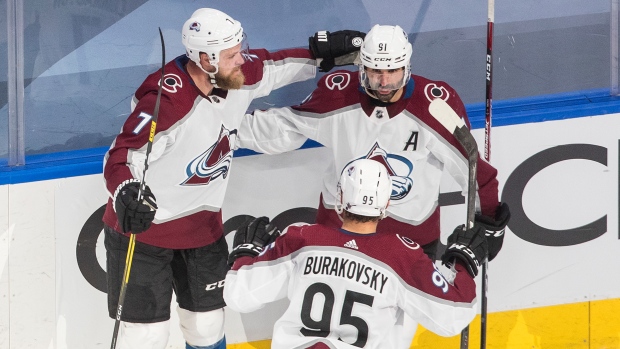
{"type": "Point", "coordinates": [336, 49]}
{"type": "Point", "coordinates": [250, 239]}
{"type": "Point", "coordinates": [133, 216]}
{"type": "Point", "coordinates": [495, 228]}
{"type": "Point", "coordinates": [469, 247]}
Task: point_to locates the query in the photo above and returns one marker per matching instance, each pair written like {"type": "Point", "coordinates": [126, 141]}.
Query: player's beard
{"type": "Point", "coordinates": [231, 81]}
{"type": "Point", "coordinates": [385, 98]}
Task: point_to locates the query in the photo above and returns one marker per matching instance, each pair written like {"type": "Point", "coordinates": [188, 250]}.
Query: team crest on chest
{"type": "Point", "coordinates": [214, 162]}
{"type": "Point", "coordinates": [398, 167]}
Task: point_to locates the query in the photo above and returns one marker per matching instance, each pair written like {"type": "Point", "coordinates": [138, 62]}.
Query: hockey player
{"type": "Point", "coordinates": [180, 244]}
{"type": "Point", "coordinates": [348, 287]}
{"type": "Point", "coordinates": [381, 113]}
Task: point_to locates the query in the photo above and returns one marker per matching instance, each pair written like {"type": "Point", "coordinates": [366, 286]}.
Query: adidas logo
{"type": "Point", "coordinates": [351, 244]}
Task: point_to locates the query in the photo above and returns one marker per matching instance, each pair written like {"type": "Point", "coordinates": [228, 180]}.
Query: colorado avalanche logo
{"type": "Point", "coordinates": [195, 26]}
{"type": "Point", "coordinates": [172, 82]}
{"type": "Point", "coordinates": [350, 171]}
{"type": "Point", "coordinates": [433, 91]}
{"type": "Point", "coordinates": [337, 81]}
{"type": "Point", "coordinates": [398, 167]}
{"type": "Point", "coordinates": [408, 242]}
{"type": "Point", "coordinates": [212, 163]}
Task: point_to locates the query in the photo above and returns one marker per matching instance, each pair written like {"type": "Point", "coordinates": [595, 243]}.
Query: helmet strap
{"type": "Point", "coordinates": [210, 74]}
{"type": "Point", "coordinates": [212, 78]}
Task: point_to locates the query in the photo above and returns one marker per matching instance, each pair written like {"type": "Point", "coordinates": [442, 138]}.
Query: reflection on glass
{"type": "Point", "coordinates": [4, 120]}
{"type": "Point", "coordinates": [83, 59]}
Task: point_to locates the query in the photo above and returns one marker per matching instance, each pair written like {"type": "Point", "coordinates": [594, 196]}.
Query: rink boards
{"type": "Point", "coordinates": [554, 285]}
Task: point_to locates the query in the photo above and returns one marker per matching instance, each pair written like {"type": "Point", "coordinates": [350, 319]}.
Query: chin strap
{"type": "Point", "coordinates": [210, 74]}
{"type": "Point", "coordinates": [212, 78]}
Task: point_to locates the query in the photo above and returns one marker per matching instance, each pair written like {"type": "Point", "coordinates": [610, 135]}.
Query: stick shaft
{"type": "Point", "coordinates": [132, 237]}
{"type": "Point", "coordinates": [121, 297]}
{"type": "Point", "coordinates": [487, 156]}
{"type": "Point", "coordinates": [448, 118]}
{"type": "Point", "coordinates": [489, 82]}
{"type": "Point", "coordinates": [468, 142]}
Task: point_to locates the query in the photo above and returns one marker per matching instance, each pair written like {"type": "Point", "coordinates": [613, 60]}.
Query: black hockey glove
{"type": "Point", "coordinates": [495, 228]}
{"type": "Point", "coordinates": [250, 239]}
{"type": "Point", "coordinates": [336, 49]}
{"type": "Point", "coordinates": [134, 216]}
{"type": "Point", "coordinates": [468, 246]}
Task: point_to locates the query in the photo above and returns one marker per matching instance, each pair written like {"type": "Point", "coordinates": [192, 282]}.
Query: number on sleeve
{"type": "Point", "coordinates": [440, 281]}
{"type": "Point", "coordinates": [145, 118]}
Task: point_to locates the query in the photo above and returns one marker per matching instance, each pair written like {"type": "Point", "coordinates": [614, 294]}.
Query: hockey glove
{"type": "Point", "coordinates": [250, 239]}
{"type": "Point", "coordinates": [336, 49]}
{"type": "Point", "coordinates": [495, 228]}
{"type": "Point", "coordinates": [467, 246]}
{"type": "Point", "coordinates": [133, 216]}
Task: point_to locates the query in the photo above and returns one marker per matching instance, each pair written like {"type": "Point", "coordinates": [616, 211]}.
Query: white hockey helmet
{"type": "Point", "coordinates": [210, 31]}
{"type": "Point", "coordinates": [385, 47]}
{"type": "Point", "coordinates": [364, 189]}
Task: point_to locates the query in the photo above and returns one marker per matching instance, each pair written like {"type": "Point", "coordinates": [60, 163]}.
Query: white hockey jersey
{"type": "Point", "coordinates": [413, 145]}
{"type": "Point", "coordinates": [190, 160]}
{"type": "Point", "coordinates": [347, 290]}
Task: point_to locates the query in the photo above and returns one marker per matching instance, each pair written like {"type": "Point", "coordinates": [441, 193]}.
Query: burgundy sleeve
{"type": "Point", "coordinates": [425, 278]}
{"type": "Point", "coordinates": [134, 135]}
{"type": "Point", "coordinates": [284, 245]}
{"type": "Point", "coordinates": [323, 99]}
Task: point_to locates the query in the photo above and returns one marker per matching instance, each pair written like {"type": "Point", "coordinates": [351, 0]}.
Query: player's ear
{"type": "Point", "coordinates": [205, 62]}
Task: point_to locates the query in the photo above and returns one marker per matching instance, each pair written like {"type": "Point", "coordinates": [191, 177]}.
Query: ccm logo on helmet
{"type": "Point", "coordinates": [383, 59]}
{"type": "Point", "coordinates": [213, 286]}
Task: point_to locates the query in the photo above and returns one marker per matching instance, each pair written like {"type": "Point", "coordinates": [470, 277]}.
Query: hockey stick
{"type": "Point", "coordinates": [441, 111]}
{"type": "Point", "coordinates": [489, 81]}
{"type": "Point", "coordinates": [487, 156]}
{"type": "Point", "coordinates": [132, 236]}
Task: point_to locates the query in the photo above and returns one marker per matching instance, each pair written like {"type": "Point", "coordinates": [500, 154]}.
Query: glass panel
{"type": "Point", "coordinates": [76, 97]}
{"type": "Point", "coordinates": [613, 54]}
{"type": "Point", "coordinates": [4, 111]}
{"type": "Point", "coordinates": [84, 59]}
{"type": "Point", "coordinates": [539, 47]}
